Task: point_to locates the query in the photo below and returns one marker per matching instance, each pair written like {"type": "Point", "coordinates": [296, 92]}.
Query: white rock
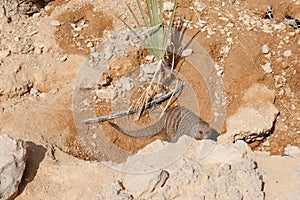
{"type": "Point", "coordinates": [149, 58]}
{"type": "Point", "coordinates": [267, 67]}
{"type": "Point", "coordinates": [187, 52]}
{"type": "Point", "coordinates": [192, 176]}
{"type": "Point", "coordinates": [63, 58]}
{"type": "Point", "coordinates": [230, 25]}
{"type": "Point", "coordinates": [287, 53]}
{"type": "Point", "coordinates": [265, 49]}
{"type": "Point", "coordinates": [36, 15]}
{"type": "Point", "coordinates": [168, 6]}
{"type": "Point", "coordinates": [229, 40]}
{"type": "Point", "coordinates": [48, 7]}
{"type": "Point", "coordinates": [254, 118]}
{"type": "Point", "coordinates": [293, 151]}
{"type": "Point", "coordinates": [220, 73]}
{"type": "Point", "coordinates": [89, 44]}
{"type": "Point", "coordinates": [210, 32]}
{"type": "Point", "coordinates": [55, 23]}
{"type": "Point", "coordinates": [13, 157]}
{"type": "Point", "coordinates": [33, 91]}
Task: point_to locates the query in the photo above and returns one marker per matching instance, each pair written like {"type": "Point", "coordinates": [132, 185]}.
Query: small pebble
{"type": "Point", "coordinates": [267, 67]}
{"type": "Point", "coordinates": [229, 40]}
{"type": "Point", "coordinates": [36, 15]}
{"type": "Point", "coordinates": [63, 58]}
{"type": "Point", "coordinates": [48, 8]}
{"type": "Point", "coordinates": [287, 53]}
{"type": "Point", "coordinates": [168, 6]}
{"type": "Point", "coordinates": [54, 22]}
{"type": "Point", "coordinates": [220, 73]}
{"type": "Point", "coordinates": [210, 32]}
{"type": "Point", "coordinates": [89, 44]}
{"type": "Point", "coordinates": [298, 42]}
{"type": "Point", "coordinates": [186, 52]}
{"type": "Point", "coordinates": [266, 143]}
{"type": "Point", "coordinates": [33, 91]}
{"type": "Point", "coordinates": [149, 57]}
{"type": "Point", "coordinates": [265, 49]}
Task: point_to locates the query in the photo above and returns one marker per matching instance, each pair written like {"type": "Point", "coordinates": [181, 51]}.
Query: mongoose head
{"type": "Point", "coordinates": [204, 131]}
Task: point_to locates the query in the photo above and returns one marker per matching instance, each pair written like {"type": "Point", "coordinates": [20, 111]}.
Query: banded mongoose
{"type": "Point", "coordinates": [175, 122]}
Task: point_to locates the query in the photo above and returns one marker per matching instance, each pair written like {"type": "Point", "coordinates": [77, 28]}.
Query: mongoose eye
{"type": "Point", "coordinates": [199, 135]}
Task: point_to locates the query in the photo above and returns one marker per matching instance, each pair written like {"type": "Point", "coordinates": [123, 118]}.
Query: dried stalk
{"type": "Point", "coordinates": [134, 110]}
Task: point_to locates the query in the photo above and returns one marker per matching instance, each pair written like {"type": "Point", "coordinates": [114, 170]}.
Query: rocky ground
{"type": "Point", "coordinates": [44, 46]}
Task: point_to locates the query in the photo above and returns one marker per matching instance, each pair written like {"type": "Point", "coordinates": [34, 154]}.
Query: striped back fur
{"type": "Point", "coordinates": [176, 122]}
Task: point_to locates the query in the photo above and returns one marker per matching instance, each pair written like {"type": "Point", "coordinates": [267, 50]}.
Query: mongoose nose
{"type": "Point", "coordinates": [212, 134]}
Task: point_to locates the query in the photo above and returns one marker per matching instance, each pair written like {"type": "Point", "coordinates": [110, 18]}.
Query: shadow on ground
{"type": "Point", "coordinates": [36, 153]}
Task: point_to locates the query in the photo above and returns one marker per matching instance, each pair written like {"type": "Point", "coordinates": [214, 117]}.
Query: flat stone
{"type": "Point", "coordinates": [54, 23]}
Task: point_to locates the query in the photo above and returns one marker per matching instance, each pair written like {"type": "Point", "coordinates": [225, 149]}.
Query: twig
{"type": "Point", "coordinates": [133, 110]}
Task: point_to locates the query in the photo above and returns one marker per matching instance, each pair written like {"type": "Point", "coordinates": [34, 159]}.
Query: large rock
{"type": "Point", "coordinates": [228, 171]}
{"type": "Point", "coordinates": [13, 8]}
{"type": "Point", "coordinates": [13, 157]}
{"type": "Point", "coordinates": [281, 175]}
{"type": "Point", "coordinates": [255, 117]}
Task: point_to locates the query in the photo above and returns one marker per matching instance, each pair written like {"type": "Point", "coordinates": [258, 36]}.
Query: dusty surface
{"type": "Point", "coordinates": [40, 62]}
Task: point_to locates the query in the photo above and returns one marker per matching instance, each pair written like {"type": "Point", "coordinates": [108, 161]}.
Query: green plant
{"type": "Point", "coordinates": [155, 35]}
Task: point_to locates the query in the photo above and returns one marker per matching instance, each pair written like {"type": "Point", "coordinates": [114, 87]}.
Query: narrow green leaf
{"type": "Point", "coordinates": [134, 16]}
{"type": "Point", "coordinates": [155, 12]}
{"type": "Point", "coordinates": [143, 14]}
{"type": "Point", "coordinates": [161, 10]}
{"type": "Point", "coordinates": [172, 16]}
{"type": "Point", "coordinates": [149, 12]}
